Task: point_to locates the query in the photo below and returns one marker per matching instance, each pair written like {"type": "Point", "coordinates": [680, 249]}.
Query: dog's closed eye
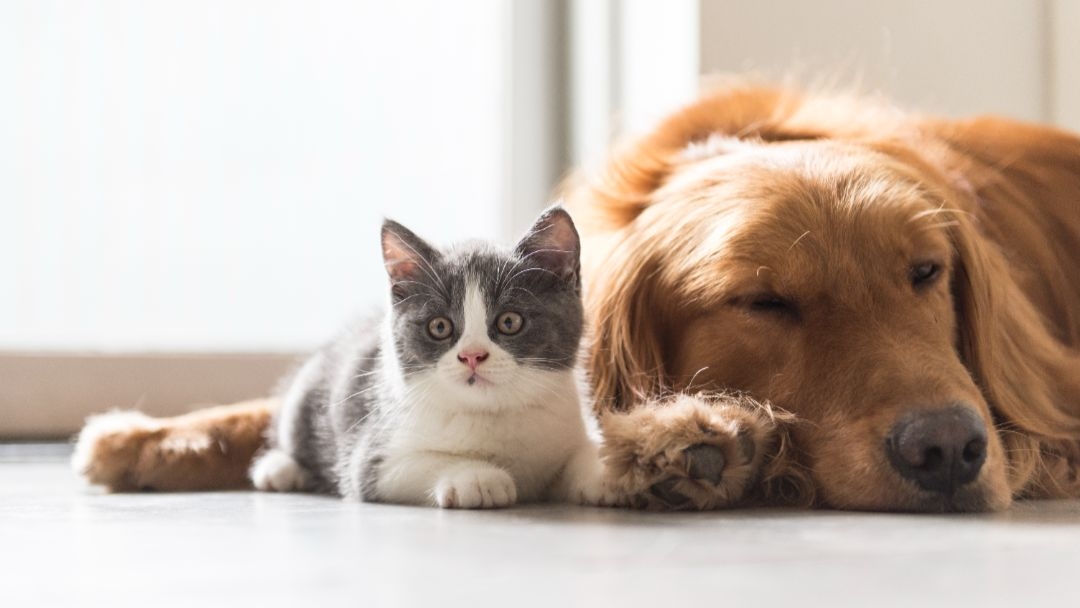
{"type": "Point", "coordinates": [769, 304]}
{"type": "Point", "coordinates": [924, 274]}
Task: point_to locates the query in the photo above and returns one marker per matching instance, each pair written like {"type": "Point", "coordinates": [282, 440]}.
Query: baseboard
{"type": "Point", "coordinates": [48, 395]}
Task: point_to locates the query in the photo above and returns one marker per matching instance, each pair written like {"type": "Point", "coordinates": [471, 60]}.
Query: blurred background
{"type": "Point", "coordinates": [191, 191]}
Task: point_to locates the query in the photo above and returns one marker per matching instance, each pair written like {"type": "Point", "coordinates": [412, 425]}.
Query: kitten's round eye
{"type": "Point", "coordinates": [509, 323]}
{"type": "Point", "coordinates": [925, 273]}
{"type": "Point", "coordinates": [440, 328]}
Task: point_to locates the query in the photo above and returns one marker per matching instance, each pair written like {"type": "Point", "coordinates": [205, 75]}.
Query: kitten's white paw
{"type": "Point", "coordinates": [600, 495]}
{"type": "Point", "coordinates": [585, 481]}
{"type": "Point", "coordinates": [276, 471]}
{"type": "Point", "coordinates": [475, 488]}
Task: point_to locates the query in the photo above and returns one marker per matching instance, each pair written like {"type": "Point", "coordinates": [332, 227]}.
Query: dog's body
{"type": "Point", "coordinates": [905, 292]}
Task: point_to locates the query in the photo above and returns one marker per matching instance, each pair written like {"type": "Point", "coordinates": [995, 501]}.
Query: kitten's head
{"type": "Point", "coordinates": [486, 325]}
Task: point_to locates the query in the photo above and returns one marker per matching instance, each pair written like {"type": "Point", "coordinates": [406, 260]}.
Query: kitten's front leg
{"type": "Point", "coordinates": [584, 480]}
{"type": "Point", "coordinates": [443, 480]}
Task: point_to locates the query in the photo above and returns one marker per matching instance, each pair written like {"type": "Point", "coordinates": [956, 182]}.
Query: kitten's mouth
{"type": "Point", "coordinates": [477, 379]}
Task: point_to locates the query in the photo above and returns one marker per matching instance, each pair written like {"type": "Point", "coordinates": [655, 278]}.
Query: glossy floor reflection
{"type": "Point", "coordinates": [64, 544]}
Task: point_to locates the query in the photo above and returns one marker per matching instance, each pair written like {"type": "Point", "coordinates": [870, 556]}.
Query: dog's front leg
{"type": "Point", "coordinates": [692, 452]}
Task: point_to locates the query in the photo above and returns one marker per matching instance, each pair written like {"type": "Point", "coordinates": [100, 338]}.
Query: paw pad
{"type": "Point", "coordinates": [705, 462]}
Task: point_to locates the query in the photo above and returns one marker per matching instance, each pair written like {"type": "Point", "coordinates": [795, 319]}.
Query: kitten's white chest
{"type": "Point", "coordinates": [532, 443]}
{"type": "Point", "coordinates": [486, 425]}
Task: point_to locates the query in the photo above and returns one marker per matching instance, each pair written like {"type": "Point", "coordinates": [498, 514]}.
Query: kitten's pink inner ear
{"type": "Point", "coordinates": [553, 243]}
{"type": "Point", "coordinates": [554, 230]}
{"type": "Point", "coordinates": [398, 257]}
{"type": "Point", "coordinates": [405, 255]}
{"type": "Point", "coordinates": [559, 235]}
{"type": "Point", "coordinates": [399, 270]}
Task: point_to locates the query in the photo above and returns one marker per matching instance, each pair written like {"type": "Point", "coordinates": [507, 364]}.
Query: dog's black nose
{"type": "Point", "coordinates": [941, 450]}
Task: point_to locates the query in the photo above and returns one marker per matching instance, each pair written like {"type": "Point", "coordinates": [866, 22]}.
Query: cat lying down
{"type": "Point", "coordinates": [464, 395]}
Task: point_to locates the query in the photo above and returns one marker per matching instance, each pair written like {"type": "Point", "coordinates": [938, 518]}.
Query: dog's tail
{"type": "Point", "coordinates": [209, 449]}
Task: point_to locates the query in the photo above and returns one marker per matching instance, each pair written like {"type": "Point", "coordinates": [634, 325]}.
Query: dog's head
{"type": "Point", "coordinates": [843, 281]}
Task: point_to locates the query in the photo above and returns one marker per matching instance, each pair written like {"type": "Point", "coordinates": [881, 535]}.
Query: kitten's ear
{"type": "Point", "coordinates": [407, 257]}
{"type": "Point", "coordinates": [553, 244]}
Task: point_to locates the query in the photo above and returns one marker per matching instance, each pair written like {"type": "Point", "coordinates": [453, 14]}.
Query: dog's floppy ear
{"type": "Point", "coordinates": [1023, 371]}
{"type": "Point", "coordinates": [626, 360]}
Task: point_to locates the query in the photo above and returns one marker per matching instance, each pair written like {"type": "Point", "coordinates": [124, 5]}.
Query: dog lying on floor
{"type": "Point", "coordinates": [794, 299]}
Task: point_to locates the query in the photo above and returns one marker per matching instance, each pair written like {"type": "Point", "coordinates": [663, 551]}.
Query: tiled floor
{"type": "Point", "coordinates": [67, 545]}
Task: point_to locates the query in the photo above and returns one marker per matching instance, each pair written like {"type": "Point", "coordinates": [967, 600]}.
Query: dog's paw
{"type": "Point", "coordinates": [276, 471]}
{"type": "Point", "coordinates": [109, 447]}
{"type": "Point", "coordinates": [688, 454]}
{"type": "Point", "coordinates": [479, 487]}
{"type": "Point", "coordinates": [699, 476]}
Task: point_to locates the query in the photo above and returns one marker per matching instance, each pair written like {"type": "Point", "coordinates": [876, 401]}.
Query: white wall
{"type": "Point", "coordinates": [1064, 17]}
{"type": "Point", "coordinates": [211, 175]}
{"type": "Point", "coordinates": [631, 63]}
{"type": "Point", "coordinates": [955, 57]}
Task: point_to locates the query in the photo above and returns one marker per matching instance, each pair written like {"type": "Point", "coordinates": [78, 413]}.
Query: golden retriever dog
{"type": "Point", "coordinates": [794, 299]}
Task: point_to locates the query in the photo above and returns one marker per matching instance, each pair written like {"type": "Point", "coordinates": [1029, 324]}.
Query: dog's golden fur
{"type": "Point", "coordinates": [761, 241]}
{"type": "Point", "coordinates": [208, 449]}
{"type": "Point", "coordinates": [827, 202]}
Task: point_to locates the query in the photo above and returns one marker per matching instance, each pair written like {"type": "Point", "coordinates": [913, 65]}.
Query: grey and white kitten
{"type": "Point", "coordinates": [463, 396]}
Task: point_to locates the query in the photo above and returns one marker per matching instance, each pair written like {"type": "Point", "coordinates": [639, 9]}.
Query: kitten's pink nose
{"type": "Point", "coordinates": [472, 358]}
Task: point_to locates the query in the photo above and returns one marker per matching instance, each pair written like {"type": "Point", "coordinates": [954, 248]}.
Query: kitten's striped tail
{"type": "Point", "coordinates": [208, 449]}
